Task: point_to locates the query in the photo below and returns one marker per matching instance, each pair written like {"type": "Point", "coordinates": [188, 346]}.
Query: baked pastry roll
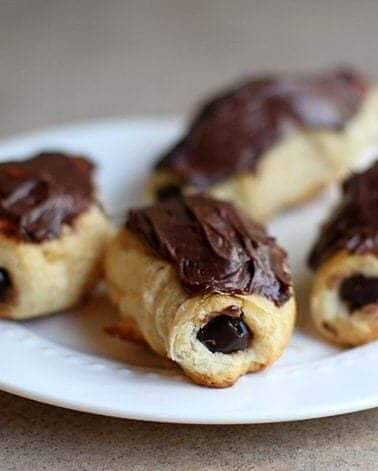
{"type": "Point", "coordinates": [204, 286]}
{"type": "Point", "coordinates": [273, 142]}
{"type": "Point", "coordinates": [344, 300]}
{"type": "Point", "coordinates": [53, 233]}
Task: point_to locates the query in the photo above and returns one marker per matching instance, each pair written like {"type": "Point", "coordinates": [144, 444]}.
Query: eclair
{"type": "Point", "coordinates": [344, 299]}
{"type": "Point", "coordinates": [204, 286]}
{"type": "Point", "coordinates": [53, 234]}
{"type": "Point", "coordinates": [273, 142]}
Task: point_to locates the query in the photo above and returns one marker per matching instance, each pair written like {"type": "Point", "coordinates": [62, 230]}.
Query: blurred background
{"type": "Point", "coordinates": [69, 60]}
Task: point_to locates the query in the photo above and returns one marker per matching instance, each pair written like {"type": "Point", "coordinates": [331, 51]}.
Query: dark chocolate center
{"type": "Point", "coordinates": [5, 284]}
{"type": "Point", "coordinates": [225, 334]}
{"type": "Point", "coordinates": [358, 291]}
{"type": "Point", "coordinates": [168, 191]}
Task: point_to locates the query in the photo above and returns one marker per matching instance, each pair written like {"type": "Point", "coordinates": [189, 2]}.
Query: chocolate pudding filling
{"type": "Point", "coordinates": [354, 224]}
{"type": "Point", "coordinates": [39, 195]}
{"type": "Point", "coordinates": [213, 247]}
{"type": "Point", "coordinates": [233, 130]}
{"type": "Point", "coordinates": [358, 291]}
{"type": "Point", "coordinates": [226, 332]}
{"type": "Point", "coordinates": [5, 285]}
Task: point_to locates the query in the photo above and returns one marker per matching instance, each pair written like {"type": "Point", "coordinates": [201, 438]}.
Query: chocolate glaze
{"type": "Point", "coordinates": [232, 131]}
{"type": "Point", "coordinates": [38, 195]}
{"type": "Point", "coordinates": [354, 224]}
{"type": "Point", "coordinates": [358, 291]}
{"type": "Point", "coordinates": [226, 332]}
{"type": "Point", "coordinates": [213, 247]}
{"type": "Point", "coordinates": [5, 285]}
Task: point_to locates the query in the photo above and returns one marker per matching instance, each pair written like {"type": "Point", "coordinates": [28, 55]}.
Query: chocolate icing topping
{"type": "Point", "coordinates": [213, 247]}
{"type": "Point", "coordinates": [38, 195]}
{"type": "Point", "coordinates": [230, 133]}
{"type": "Point", "coordinates": [354, 224]}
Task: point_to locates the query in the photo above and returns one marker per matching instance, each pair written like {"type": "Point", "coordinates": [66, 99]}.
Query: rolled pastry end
{"type": "Point", "coordinates": [344, 300]}
{"type": "Point", "coordinates": [264, 332]}
{"type": "Point", "coordinates": [45, 277]}
{"type": "Point", "coordinates": [214, 338]}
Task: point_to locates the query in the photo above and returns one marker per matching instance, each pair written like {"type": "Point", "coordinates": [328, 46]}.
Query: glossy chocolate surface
{"type": "Point", "coordinates": [358, 291]}
{"type": "Point", "coordinates": [213, 247]}
{"type": "Point", "coordinates": [39, 195]}
{"type": "Point", "coordinates": [226, 332]}
{"type": "Point", "coordinates": [234, 129]}
{"type": "Point", "coordinates": [354, 224]}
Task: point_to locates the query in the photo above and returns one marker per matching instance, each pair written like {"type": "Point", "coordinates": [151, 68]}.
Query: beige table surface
{"type": "Point", "coordinates": [67, 60]}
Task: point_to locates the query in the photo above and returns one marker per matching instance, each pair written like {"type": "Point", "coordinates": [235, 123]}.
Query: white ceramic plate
{"type": "Point", "coordinates": [68, 360]}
